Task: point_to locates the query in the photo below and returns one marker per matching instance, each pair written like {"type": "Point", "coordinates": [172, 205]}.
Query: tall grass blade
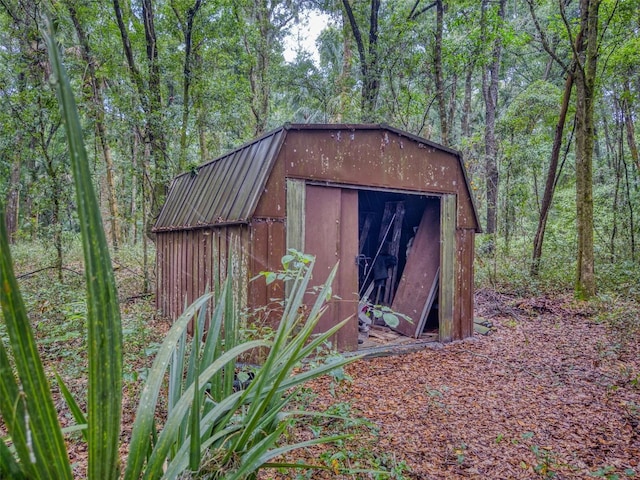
{"type": "Point", "coordinates": [9, 468]}
{"type": "Point", "coordinates": [143, 424]}
{"type": "Point", "coordinates": [103, 313]}
{"type": "Point", "coordinates": [170, 430]}
{"type": "Point", "coordinates": [28, 409]}
{"type": "Point", "coordinates": [194, 423]}
{"type": "Point", "coordinates": [76, 411]}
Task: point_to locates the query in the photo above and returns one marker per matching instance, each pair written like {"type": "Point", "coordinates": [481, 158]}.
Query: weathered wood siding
{"type": "Point", "coordinates": [465, 245]}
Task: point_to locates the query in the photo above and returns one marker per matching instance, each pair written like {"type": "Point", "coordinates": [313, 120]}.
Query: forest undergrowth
{"type": "Point", "coordinates": [553, 391]}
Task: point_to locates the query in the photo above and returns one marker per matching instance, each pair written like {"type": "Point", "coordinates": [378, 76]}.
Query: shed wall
{"type": "Point", "coordinates": [267, 246]}
{"type": "Point", "coordinates": [190, 262]}
{"type": "Point", "coordinates": [465, 245]}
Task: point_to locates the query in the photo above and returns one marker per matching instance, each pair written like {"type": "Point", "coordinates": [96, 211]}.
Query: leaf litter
{"type": "Point", "coordinates": [551, 393]}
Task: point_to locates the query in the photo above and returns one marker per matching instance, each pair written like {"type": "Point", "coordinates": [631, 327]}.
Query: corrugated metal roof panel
{"type": "Point", "coordinates": [223, 191]}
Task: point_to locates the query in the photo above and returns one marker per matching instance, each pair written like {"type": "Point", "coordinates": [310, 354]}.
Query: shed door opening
{"type": "Point", "coordinates": [399, 256]}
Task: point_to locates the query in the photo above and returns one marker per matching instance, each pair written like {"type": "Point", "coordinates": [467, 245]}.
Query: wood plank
{"type": "Point", "coordinates": [420, 272]}
{"type": "Point", "coordinates": [365, 231]}
{"type": "Point", "coordinates": [447, 268]}
{"type": "Point", "coordinates": [347, 288]}
{"type": "Point", "coordinates": [427, 305]}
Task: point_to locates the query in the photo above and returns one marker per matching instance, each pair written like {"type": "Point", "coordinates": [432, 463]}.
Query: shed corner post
{"type": "Point", "coordinates": [447, 267]}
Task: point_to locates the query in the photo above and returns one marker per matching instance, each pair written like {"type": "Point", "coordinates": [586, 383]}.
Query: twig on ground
{"type": "Point", "coordinates": [28, 274]}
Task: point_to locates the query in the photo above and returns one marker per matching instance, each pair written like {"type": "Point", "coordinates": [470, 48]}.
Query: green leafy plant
{"type": "Point", "coordinates": [233, 430]}
{"type": "Point", "coordinates": [232, 433]}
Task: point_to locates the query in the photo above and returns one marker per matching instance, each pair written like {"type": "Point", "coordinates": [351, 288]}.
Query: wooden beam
{"type": "Point", "coordinates": [447, 266]}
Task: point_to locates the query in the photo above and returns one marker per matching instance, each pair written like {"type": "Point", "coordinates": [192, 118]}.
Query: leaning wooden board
{"type": "Point", "coordinates": [420, 273]}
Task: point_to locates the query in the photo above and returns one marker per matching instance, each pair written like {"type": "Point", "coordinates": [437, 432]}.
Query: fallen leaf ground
{"type": "Point", "coordinates": [550, 393]}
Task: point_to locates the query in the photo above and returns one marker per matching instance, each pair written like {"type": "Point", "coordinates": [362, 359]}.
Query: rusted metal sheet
{"type": "Point", "coordinates": [190, 262]}
{"type": "Point", "coordinates": [267, 246]}
{"type": "Point", "coordinates": [378, 157]}
{"type": "Point", "coordinates": [224, 191]}
{"type": "Point", "coordinates": [420, 274]}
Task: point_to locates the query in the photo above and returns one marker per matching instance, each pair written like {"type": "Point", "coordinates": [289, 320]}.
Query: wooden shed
{"type": "Point", "coordinates": [353, 193]}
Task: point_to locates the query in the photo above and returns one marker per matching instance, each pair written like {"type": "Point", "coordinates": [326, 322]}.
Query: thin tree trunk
{"type": "Point", "coordinates": [369, 64]}
{"type": "Point", "coordinates": [437, 61]}
{"type": "Point", "coordinates": [202, 135]}
{"type": "Point", "coordinates": [466, 104]}
{"type": "Point", "coordinates": [146, 218]}
{"type": "Point", "coordinates": [490, 94]}
{"type": "Point", "coordinates": [617, 163]}
{"type": "Point", "coordinates": [100, 126]}
{"type": "Point", "coordinates": [549, 188]}
{"type": "Point", "coordinates": [151, 102]}
{"type": "Point", "coordinates": [138, 179]}
{"type": "Point", "coordinates": [632, 227]}
{"type": "Point", "coordinates": [628, 120]}
{"type": "Point", "coordinates": [187, 31]}
{"type": "Point", "coordinates": [586, 71]}
{"type": "Point", "coordinates": [345, 74]}
{"type": "Point", "coordinates": [13, 199]}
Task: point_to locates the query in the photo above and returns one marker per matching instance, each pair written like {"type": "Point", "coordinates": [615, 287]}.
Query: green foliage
{"type": "Point", "coordinates": [237, 430]}
{"type": "Point", "coordinates": [245, 425]}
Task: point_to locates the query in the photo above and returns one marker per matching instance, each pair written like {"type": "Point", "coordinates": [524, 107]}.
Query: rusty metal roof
{"type": "Point", "coordinates": [223, 191]}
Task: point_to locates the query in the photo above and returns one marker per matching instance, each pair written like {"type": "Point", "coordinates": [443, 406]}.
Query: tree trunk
{"type": "Point", "coordinates": [97, 99]}
{"type": "Point", "coordinates": [437, 60]}
{"type": "Point", "coordinates": [550, 183]}
{"type": "Point", "coordinates": [345, 72]}
{"type": "Point", "coordinates": [490, 93]}
{"type": "Point", "coordinates": [466, 104]}
{"type": "Point", "coordinates": [628, 120]}
{"type": "Point", "coordinates": [369, 64]}
{"type": "Point", "coordinates": [630, 205]}
{"type": "Point", "coordinates": [151, 102]}
{"type": "Point", "coordinates": [587, 56]}
{"type": "Point", "coordinates": [187, 31]}
{"type": "Point", "coordinates": [13, 199]}
{"type": "Point", "coordinates": [137, 179]}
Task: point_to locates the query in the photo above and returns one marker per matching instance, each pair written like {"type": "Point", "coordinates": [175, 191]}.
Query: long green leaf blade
{"type": "Point", "coordinates": [170, 430]}
{"type": "Point", "coordinates": [76, 411]}
{"type": "Point", "coordinates": [9, 468]}
{"type": "Point", "coordinates": [143, 424]}
{"type": "Point", "coordinates": [39, 438]}
{"type": "Point", "coordinates": [194, 424]}
{"type": "Point", "coordinates": [104, 325]}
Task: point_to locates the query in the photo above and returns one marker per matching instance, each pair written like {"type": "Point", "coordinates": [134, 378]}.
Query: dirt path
{"type": "Point", "coordinates": [550, 393]}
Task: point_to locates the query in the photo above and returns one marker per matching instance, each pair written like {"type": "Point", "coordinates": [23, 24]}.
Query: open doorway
{"type": "Point", "coordinates": [398, 265]}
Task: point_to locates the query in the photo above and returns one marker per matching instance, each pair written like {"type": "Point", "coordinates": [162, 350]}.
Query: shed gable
{"type": "Point", "coordinates": [228, 190]}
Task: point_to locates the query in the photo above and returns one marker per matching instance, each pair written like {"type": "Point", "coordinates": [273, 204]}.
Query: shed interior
{"type": "Point", "coordinates": [388, 225]}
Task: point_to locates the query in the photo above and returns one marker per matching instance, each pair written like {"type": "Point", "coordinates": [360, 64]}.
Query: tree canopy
{"type": "Point", "coordinates": [539, 95]}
